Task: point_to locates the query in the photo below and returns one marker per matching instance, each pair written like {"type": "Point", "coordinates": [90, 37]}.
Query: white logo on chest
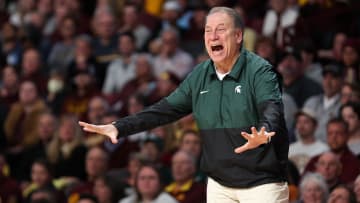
{"type": "Point", "coordinates": [238, 89]}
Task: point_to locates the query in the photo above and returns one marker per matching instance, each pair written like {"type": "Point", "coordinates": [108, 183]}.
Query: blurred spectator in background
{"type": "Point", "coordinates": [295, 83]}
{"type": "Point", "coordinates": [165, 84]}
{"type": "Point", "coordinates": [171, 57]}
{"type": "Point", "coordinates": [20, 126]}
{"type": "Point", "coordinates": [312, 68]}
{"type": "Point", "coordinates": [46, 126]}
{"type": "Point", "coordinates": [41, 179]}
{"type": "Point", "coordinates": [149, 187]}
{"type": "Point", "coordinates": [87, 198]}
{"type": "Point", "coordinates": [96, 165]}
{"type": "Point", "coordinates": [83, 59]}
{"type": "Point", "coordinates": [329, 166]}
{"type": "Point", "coordinates": [131, 23]}
{"type": "Point", "coordinates": [335, 53]}
{"type": "Point", "coordinates": [108, 190]}
{"type": "Point", "coordinates": [32, 69]}
{"type": "Point", "coordinates": [307, 146]}
{"type": "Point", "coordinates": [337, 137]}
{"type": "Point", "coordinates": [290, 109]}
{"type": "Point", "coordinates": [313, 188]}
{"type": "Point", "coordinates": [350, 93]}
{"type": "Point", "coordinates": [9, 189]}
{"type": "Point", "coordinates": [77, 102]}
{"type": "Point", "coordinates": [250, 35]}
{"type": "Point", "coordinates": [105, 41]}
{"type": "Point", "coordinates": [326, 105]}
{"type": "Point", "coordinates": [351, 60]}
{"type": "Point", "coordinates": [9, 86]}
{"type": "Point", "coordinates": [184, 188]}
{"type": "Point", "coordinates": [278, 20]}
{"type": "Point", "coordinates": [66, 150]}
{"type": "Point", "coordinates": [350, 112]}
{"type": "Point", "coordinates": [23, 8]}
{"type": "Point", "coordinates": [11, 47]}
{"type": "Point", "coordinates": [265, 47]}
{"type": "Point", "coordinates": [342, 194]}
{"type": "Point", "coordinates": [170, 14]}
{"type": "Point", "coordinates": [62, 53]}
{"type": "Point", "coordinates": [122, 69]}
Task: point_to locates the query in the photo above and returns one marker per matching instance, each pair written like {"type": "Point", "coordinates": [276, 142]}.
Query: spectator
{"type": "Point", "coordinates": [350, 93]}
{"type": "Point", "coordinates": [149, 187]}
{"type": "Point", "coordinates": [62, 52]}
{"type": "Point", "coordinates": [46, 126]}
{"type": "Point", "coordinates": [66, 150]}
{"type": "Point", "coordinates": [342, 194]}
{"type": "Point", "coordinates": [41, 179]}
{"type": "Point", "coordinates": [312, 68]}
{"type": "Point", "coordinates": [131, 23]}
{"type": "Point", "coordinates": [171, 57]}
{"type": "Point", "coordinates": [335, 53]}
{"type": "Point", "coordinates": [277, 20]}
{"type": "Point", "coordinates": [351, 60]}
{"type": "Point", "coordinates": [307, 146]}
{"type": "Point", "coordinates": [96, 165]}
{"type": "Point", "coordinates": [326, 105]}
{"type": "Point", "coordinates": [11, 46]}
{"type": "Point", "coordinates": [9, 188]}
{"type": "Point", "coordinates": [265, 47]}
{"type": "Point", "coordinates": [87, 198]}
{"type": "Point", "coordinates": [31, 69]}
{"type": "Point", "coordinates": [9, 88]}
{"type": "Point", "coordinates": [104, 44]}
{"type": "Point", "coordinates": [337, 136]}
{"type": "Point", "coordinates": [19, 126]}
{"type": "Point", "coordinates": [184, 188]}
{"type": "Point", "coordinates": [350, 112]}
{"type": "Point", "coordinates": [296, 84]}
{"type": "Point", "coordinates": [329, 166]}
{"type": "Point", "coordinates": [56, 92]}
{"type": "Point", "coordinates": [83, 60]}
{"type": "Point", "coordinates": [313, 188]}
{"type": "Point", "coordinates": [165, 84]}
{"type": "Point", "coordinates": [122, 69]}
{"type": "Point", "coordinates": [108, 190]}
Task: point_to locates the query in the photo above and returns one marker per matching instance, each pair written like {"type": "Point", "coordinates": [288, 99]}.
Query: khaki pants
{"type": "Point", "coordinates": [267, 193]}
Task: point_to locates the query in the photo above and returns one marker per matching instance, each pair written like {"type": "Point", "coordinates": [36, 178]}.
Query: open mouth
{"type": "Point", "coordinates": [217, 48]}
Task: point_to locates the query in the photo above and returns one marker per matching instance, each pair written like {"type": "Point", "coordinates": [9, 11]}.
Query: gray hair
{"type": "Point", "coordinates": [317, 179]}
{"type": "Point", "coordinates": [238, 22]}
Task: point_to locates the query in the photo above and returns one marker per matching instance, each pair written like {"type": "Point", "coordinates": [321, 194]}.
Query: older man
{"type": "Point", "coordinates": [233, 93]}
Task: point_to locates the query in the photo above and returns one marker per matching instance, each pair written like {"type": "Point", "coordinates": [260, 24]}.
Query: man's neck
{"type": "Point", "coordinates": [308, 140]}
{"type": "Point", "coordinates": [227, 66]}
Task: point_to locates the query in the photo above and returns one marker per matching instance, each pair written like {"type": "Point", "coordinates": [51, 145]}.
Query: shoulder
{"type": "Point", "coordinates": [255, 62]}
{"type": "Point", "coordinates": [165, 197]}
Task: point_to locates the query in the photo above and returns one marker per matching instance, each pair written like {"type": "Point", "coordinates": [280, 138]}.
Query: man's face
{"type": "Point", "coordinates": [328, 166]}
{"type": "Point", "coordinates": [182, 167]}
{"type": "Point", "coordinates": [96, 162]}
{"type": "Point", "coordinates": [222, 39]}
{"type": "Point", "coordinates": [305, 126]}
{"type": "Point", "coordinates": [331, 84]}
{"type": "Point", "coordinates": [191, 143]}
{"type": "Point", "coordinates": [336, 136]}
{"type": "Point", "coordinates": [339, 195]}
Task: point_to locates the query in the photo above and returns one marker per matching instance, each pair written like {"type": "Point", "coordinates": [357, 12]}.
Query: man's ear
{"type": "Point", "coordinates": [239, 36]}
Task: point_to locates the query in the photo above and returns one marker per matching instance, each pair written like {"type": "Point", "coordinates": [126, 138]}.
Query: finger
{"type": "Point", "coordinates": [242, 148]}
{"type": "Point", "coordinates": [83, 124]}
{"type": "Point", "coordinates": [254, 131]}
{"type": "Point", "coordinates": [262, 131]}
{"type": "Point", "coordinates": [246, 135]}
{"type": "Point", "coordinates": [270, 134]}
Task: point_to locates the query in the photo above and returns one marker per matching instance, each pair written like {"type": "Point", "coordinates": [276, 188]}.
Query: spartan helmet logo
{"type": "Point", "coordinates": [238, 89]}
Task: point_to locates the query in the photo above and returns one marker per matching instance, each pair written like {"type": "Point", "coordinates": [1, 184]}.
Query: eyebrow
{"type": "Point", "coordinates": [221, 24]}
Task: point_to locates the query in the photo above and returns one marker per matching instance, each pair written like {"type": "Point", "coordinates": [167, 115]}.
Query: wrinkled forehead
{"type": "Point", "coordinates": [219, 18]}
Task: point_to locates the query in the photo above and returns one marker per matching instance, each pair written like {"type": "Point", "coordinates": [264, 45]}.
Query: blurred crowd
{"type": "Point", "coordinates": [62, 61]}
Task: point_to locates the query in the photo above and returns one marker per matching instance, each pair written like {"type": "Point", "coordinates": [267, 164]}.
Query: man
{"type": "Point", "coordinates": [337, 137]}
{"type": "Point", "coordinates": [326, 106]}
{"type": "Point", "coordinates": [329, 167]}
{"type": "Point", "coordinates": [307, 146]}
{"type": "Point", "coordinates": [235, 93]}
{"type": "Point", "coordinates": [184, 188]}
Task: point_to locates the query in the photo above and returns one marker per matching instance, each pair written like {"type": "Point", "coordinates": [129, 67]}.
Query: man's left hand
{"type": "Point", "coordinates": [254, 139]}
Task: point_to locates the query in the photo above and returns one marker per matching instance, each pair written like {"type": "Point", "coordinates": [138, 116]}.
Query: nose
{"type": "Point", "coordinates": [213, 35]}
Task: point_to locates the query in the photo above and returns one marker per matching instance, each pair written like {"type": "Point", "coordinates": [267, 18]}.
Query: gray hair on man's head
{"type": "Point", "coordinates": [317, 179]}
{"type": "Point", "coordinates": [238, 22]}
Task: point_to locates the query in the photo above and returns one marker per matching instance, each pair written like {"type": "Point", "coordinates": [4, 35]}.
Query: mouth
{"type": "Point", "coordinates": [216, 48]}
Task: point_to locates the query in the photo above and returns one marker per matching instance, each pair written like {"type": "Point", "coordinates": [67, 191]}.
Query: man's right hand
{"type": "Point", "coordinates": [108, 130]}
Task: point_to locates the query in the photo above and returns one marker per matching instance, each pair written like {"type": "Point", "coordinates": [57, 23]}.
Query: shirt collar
{"type": "Point", "coordinates": [236, 69]}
